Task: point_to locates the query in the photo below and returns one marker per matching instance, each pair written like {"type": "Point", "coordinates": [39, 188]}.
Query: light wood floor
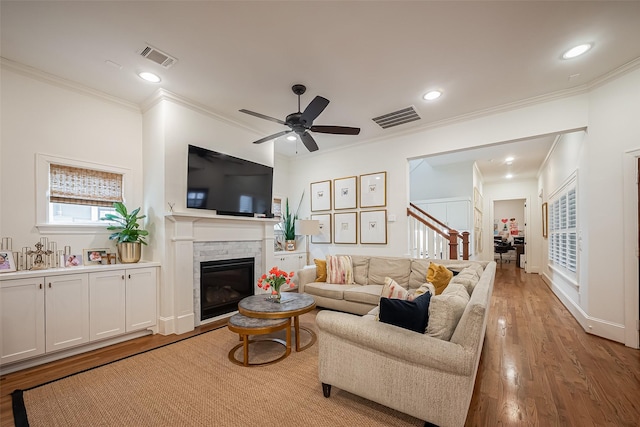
{"type": "Point", "coordinates": [538, 366]}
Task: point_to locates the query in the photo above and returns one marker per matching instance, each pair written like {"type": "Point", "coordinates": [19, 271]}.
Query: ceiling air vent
{"type": "Point", "coordinates": [157, 56]}
{"type": "Point", "coordinates": [396, 118]}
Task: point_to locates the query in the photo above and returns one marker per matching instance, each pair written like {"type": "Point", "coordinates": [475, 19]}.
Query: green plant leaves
{"type": "Point", "coordinates": [127, 229]}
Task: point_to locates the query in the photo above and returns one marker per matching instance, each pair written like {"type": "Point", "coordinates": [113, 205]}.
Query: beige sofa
{"type": "Point", "coordinates": [429, 378]}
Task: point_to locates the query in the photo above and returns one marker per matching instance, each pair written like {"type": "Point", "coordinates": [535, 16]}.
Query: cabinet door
{"type": "Point", "coordinates": [106, 304]}
{"type": "Point", "coordinates": [67, 311]}
{"type": "Point", "coordinates": [22, 318]}
{"type": "Point", "coordinates": [141, 293]}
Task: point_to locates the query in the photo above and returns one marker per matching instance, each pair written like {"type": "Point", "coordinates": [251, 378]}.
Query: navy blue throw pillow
{"type": "Point", "coordinates": [412, 315]}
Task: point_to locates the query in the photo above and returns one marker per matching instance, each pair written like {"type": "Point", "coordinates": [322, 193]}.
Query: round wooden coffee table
{"type": "Point", "coordinates": [291, 305]}
{"type": "Point", "coordinates": [245, 326]}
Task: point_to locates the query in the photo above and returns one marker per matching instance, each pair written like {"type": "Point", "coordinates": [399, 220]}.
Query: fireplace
{"type": "Point", "coordinates": [223, 283]}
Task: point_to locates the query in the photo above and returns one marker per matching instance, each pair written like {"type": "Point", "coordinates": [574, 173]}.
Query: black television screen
{"type": "Point", "coordinates": [227, 184]}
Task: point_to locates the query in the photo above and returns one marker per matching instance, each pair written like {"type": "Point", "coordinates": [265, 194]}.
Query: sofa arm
{"type": "Point", "coordinates": [306, 275]}
{"type": "Point", "coordinates": [396, 342]}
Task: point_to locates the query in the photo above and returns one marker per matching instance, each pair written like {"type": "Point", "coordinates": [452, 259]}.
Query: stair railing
{"type": "Point", "coordinates": [431, 238]}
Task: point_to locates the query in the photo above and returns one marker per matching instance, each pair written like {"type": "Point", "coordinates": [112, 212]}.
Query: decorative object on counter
{"type": "Point", "coordinates": [128, 235]}
{"type": "Point", "coordinates": [274, 281]}
{"type": "Point", "coordinates": [307, 228]}
{"type": "Point", "coordinates": [71, 260]}
{"type": "Point", "coordinates": [7, 262]}
{"type": "Point", "coordinates": [39, 263]}
{"type": "Point", "coordinates": [94, 256]}
{"type": "Point", "coordinates": [288, 225]}
{"type": "Point", "coordinates": [108, 258]}
{"type": "Point", "coordinates": [7, 244]}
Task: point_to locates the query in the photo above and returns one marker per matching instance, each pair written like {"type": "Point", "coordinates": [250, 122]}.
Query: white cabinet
{"type": "Point", "coordinates": [22, 318]}
{"type": "Point", "coordinates": [48, 311]}
{"type": "Point", "coordinates": [66, 311]}
{"type": "Point", "coordinates": [107, 304]}
{"type": "Point", "coordinates": [141, 298]}
{"type": "Point", "coordinates": [292, 261]}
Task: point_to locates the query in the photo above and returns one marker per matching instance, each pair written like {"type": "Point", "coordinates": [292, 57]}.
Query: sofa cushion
{"type": "Point", "coordinates": [321, 270]}
{"type": "Point", "coordinates": [445, 311]}
{"type": "Point", "coordinates": [396, 268]}
{"type": "Point", "coordinates": [391, 289]}
{"type": "Point", "coordinates": [339, 269]}
{"type": "Point", "coordinates": [360, 269]}
{"type": "Point", "coordinates": [327, 290]}
{"type": "Point", "coordinates": [369, 294]}
{"type": "Point", "coordinates": [467, 277]}
{"type": "Point", "coordinates": [426, 287]}
{"type": "Point", "coordinates": [439, 275]}
{"type": "Point", "coordinates": [412, 315]}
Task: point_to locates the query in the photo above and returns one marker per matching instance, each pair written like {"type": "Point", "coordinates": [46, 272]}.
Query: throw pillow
{"type": "Point", "coordinates": [426, 287]}
{"type": "Point", "coordinates": [339, 269]}
{"type": "Point", "coordinates": [445, 311]}
{"type": "Point", "coordinates": [439, 275]}
{"type": "Point", "coordinates": [411, 315]}
{"type": "Point", "coordinates": [321, 270]}
{"type": "Point", "coordinates": [391, 289]}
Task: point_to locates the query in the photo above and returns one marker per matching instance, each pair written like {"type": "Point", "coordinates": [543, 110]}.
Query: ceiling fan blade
{"type": "Point", "coordinates": [262, 116]}
{"type": "Point", "coordinates": [340, 130]}
{"type": "Point", "coordinates": [270, 137]}
{"type": "Point", "coordinates": [309, 142]}
{"type": "Point", "coordinates": [314, 109]}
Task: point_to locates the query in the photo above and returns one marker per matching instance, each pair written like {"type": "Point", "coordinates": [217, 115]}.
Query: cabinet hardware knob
{"type": "Point", "coordinates": [129, 276]}
{"type": "Point", "coordinates": [123, 277]}
{"type": "Point", "coordinates": [49, 285]}
{"type": "Point", "coordinates": [40, 285]}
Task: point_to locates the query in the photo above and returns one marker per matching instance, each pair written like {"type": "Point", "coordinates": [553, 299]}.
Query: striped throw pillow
{"type": "Point", "coordinates": [339, 269]}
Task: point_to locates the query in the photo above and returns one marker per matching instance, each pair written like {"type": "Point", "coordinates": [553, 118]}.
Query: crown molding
{"type": "Point", "coordinates": [614, 74]}
{"type": "Point", "coordinates": [165, 95]}
{"type": "Point", "coordinates": [37, 74]}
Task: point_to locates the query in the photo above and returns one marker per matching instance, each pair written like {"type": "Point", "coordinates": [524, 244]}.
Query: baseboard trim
{"type": "Point", "coordinates": [591, 325]}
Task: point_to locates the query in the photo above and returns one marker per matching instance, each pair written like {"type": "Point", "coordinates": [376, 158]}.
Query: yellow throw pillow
{"type": "Point", "coordinates": [439, 275]}
{"type": "Point", "coordinates": [321, 270]}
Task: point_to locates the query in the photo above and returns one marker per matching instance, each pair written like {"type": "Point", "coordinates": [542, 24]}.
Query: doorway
{"type": "Point", "coordinates": [510, 228]}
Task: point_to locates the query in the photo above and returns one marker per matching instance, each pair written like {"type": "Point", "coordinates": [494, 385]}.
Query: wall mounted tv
{"type": "Point", "coordinates": [227, 184]}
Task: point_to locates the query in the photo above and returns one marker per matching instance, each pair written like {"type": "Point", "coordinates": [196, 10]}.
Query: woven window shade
{"type": "Point", "coordinates": [80, 186]}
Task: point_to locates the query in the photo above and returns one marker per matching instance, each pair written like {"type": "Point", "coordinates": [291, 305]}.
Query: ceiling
{"type": "Point", "coordinates": [367, 58]}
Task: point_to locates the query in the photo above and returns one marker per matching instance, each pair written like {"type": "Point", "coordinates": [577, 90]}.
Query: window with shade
{"type": "Point", "coordinates": [563, 229]}
{"type": "Point", "coordinates": [82, 195]}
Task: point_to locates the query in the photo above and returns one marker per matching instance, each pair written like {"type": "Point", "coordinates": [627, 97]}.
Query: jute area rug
{"type": "Point", "coordinates": [193, 383]}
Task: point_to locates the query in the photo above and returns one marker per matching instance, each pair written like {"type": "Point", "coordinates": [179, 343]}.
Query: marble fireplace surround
{"type": "Point", "coordinates": [195, 237]}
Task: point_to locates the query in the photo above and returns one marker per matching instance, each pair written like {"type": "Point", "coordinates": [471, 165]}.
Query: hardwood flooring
{"type": "Point", "coordinates": [538, 367]}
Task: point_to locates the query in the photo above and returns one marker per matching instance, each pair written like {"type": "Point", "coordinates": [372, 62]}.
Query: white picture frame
{"type": "Point", "coordinates": [345, 193]}
{"type": "Point", "coordinates": [373, 227]}
{"type": "Point", "coordinates": [321, 196]}
{"type": "Point", "coordinates": [345, 226]}
{"type": "Point", "coordinates": [373, 190]}
{"type": "Point", "coordinates": [7, 263]}
{"type": "Point", "coordinates": [325, 229]}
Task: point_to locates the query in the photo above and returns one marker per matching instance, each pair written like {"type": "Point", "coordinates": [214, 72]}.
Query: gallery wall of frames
{"type": "Point", "coordinates": [351, 209]}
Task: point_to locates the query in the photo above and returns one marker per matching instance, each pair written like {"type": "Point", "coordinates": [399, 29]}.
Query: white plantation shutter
{"type": "Point", "coordinates": [563, 228]}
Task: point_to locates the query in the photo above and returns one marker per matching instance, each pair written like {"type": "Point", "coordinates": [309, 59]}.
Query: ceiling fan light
{"type": "Point", "coordinates": [150, 77]}
{"type": "Point", "coordinates": [576, 51]}
{"type": "Point", "coordinates": [431, 95]}
{"type": "Point", "coordinates": [291, 138]}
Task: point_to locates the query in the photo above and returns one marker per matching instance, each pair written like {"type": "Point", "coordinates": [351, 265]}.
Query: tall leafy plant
{"type": "Point", "coordinates": [127, 228]}
{"type": "Point", "coordinates": [288, 225]}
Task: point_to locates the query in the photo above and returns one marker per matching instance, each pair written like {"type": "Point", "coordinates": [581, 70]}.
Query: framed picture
{"type": "Point", "coordinates": [545, 220]}
{"type": "Point", "coordinates": [344, 193]}
{"type": "Point", "coordinates": [373, 190]}
{"type": "Point", "coordinates": [7, 263]}
{"type": "Point", "coordinates": [325, 228]}
{"type": "Point", "coordinates": [95, 256]}
{"type": "Point", "coordinates": [321, 196]}
{"type": "Point", "coordinates": [344, 227]}
{"type": "Point", "coordinates": [373, 227]}
{"type": "Point", "coordinates": [276, 207]}
{"type": "Point", "coordinates": [71, 260]}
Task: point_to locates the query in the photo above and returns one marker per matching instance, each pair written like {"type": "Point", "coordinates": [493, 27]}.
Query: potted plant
{"type": "Point", "coordinates": [288, 225]}
{"type": "Point", "coordinates": [128, 235]}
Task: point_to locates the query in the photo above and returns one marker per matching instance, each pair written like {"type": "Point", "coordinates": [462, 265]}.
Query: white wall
{"type": "Point", "coordinates": [508, 209]}
{"type": "Point", "coordinates": [50, 116]}
{"type": "Point", "coordinates": [440, 182]}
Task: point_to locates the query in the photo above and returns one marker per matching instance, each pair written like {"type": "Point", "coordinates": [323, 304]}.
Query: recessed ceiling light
{"type": "Point", "coordinates": [291, 138]}
{"type": "Point", "coordinates": [508, 176]}
{"type": "Point", "coordinates": [576, 51]}
{"type": "Point", "coordinates": [508, 159]}
{"type": "Point", "coordinates": [150, 77]}
{"type": "Point", "coordinates": [431, 95]}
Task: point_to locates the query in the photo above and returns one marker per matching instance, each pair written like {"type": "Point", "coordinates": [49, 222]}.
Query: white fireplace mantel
{"type": "Point", "coordinates": [183, 229]}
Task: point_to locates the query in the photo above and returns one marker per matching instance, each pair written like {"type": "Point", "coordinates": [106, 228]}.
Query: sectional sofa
{"type": "Point", "coordinates": [428, 376]}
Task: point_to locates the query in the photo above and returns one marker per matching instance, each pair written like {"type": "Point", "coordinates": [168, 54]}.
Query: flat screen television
{"type": "Point", "coordinates": [227, 184]}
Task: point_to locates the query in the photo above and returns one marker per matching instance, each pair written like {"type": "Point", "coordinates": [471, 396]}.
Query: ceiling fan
{"type": "Point", "coordinates": [302, 122]}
